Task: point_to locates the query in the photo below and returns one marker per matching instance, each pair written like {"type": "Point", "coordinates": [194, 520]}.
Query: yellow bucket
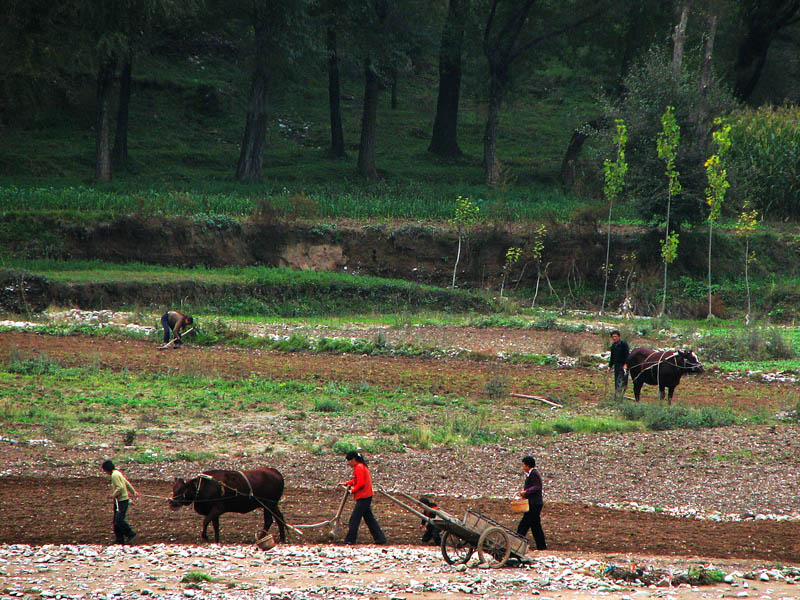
{"type": "Point", "coordinates": [519, 506]}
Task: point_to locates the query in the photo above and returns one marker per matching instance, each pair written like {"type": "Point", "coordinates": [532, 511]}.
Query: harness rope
{"type": "Point", "coordinates": [666, 355]}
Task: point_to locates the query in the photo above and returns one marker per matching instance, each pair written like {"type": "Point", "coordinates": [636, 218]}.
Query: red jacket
{"type": "Point", "coordinates": [361, 483]}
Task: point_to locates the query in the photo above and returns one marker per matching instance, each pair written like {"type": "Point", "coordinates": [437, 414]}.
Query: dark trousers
{"type": "Point", "coordinates": [532, 521]}
{"type": "Point", "coordinates": [620, 382]}
{"type": "Point", "coordinates": [363, 509]}
{"type": "Point", "coordinates": [431, 534]}
{"type": "Point", "coordinates": [165, 325]}
{"type": "Point", "coordinates": [121, 528]}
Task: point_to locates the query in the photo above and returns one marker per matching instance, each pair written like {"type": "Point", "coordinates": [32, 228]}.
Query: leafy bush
{"type": "Point", "coordinates": [197, 577]}
{"type": "Point", "coordinates": [327, 405]}
{"type": "Point", "coordinates": [659, 417]}
{"type": "Point", "coordinates": [764, 159]}
{"type": "Point", "coordinates": [646, 94]}
{"type": "Point", "coordinates": [496, 387]}
{"type": "Point", "coordinates": [757, 344]}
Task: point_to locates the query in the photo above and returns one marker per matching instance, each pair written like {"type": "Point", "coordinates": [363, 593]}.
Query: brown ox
{"type": "Point", "coordinates": [216, 492]}
{"type": "Point", "coordinates": [661, 368]}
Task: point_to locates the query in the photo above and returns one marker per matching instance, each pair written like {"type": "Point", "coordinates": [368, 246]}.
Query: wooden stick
{"type": "Point", "coordinates": [172, 341]}
{"type": "Point", "coordinates": [539, 398]}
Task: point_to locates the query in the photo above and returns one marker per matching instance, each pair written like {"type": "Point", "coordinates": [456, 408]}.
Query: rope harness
{"type": "Point", "coordinates": [203, 476]}
{"type": "Point", "coordinates": [668, 356]}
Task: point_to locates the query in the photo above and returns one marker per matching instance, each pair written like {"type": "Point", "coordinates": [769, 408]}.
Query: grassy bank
{"type": "Point", "coordinates": [42, 398]}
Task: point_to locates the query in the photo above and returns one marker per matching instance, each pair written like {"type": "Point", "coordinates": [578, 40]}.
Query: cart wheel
{"type": "Point", "coordinates": [494, 547]}
{"type": "Point", "coordinates": [455, 550]}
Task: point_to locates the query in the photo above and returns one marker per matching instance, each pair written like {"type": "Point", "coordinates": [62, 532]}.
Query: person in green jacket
{"type": "Point", "coordinates": [119, 492]}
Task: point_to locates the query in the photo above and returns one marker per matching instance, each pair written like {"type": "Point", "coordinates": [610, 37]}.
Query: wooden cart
{"type": "Point", "coordinates": [495, 543]}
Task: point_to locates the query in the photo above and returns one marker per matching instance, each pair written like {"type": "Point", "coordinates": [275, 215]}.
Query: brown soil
{"type": "Point", "coordinates": [441, 376]}
{"type": "Point", "coordinates": [51, 511]}
{"type": "Point", "coordinates": [659, 468]}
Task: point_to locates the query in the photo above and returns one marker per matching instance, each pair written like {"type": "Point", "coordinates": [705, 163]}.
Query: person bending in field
{"type": "Point", "coordinates": [173, 322]}
{"type": "Point", "coordinates": [119, 492]}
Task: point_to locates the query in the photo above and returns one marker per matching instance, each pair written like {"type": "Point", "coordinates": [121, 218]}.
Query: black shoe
{"type": "Point", "coordinates": [119, 542]}
{"type": "Point", "coordinates": [130, 537]}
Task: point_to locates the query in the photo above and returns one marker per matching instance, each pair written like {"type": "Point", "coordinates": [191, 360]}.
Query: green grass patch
{"type": "Point", "coordinates": [197, 577]}
{"type": "Point", "coordinates": [658, 417]}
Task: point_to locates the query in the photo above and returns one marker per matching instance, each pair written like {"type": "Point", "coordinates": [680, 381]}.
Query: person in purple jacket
{"type": "Point", "coordinates": [531, 520]}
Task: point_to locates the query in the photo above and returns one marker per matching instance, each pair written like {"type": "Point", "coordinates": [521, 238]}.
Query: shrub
{"type": "Point", "coordinates": [757, 344]}
{"type": "Point", "coordinates": [569, 347]}
{"type": "Point", "coordinates": [197, 577]}
{"type": "Point", "coordinates": [764, 159]}
{"type": "Point", "coordinates": [327, 405]}
{"type": "Point", "coordinates": [36, 364]}
{"type": "Point", "coordinates": [497, 387]}
{"type": "Point", "coordinates": [659, 417]}
{"type": "Point", "coordinates": [129, 437]}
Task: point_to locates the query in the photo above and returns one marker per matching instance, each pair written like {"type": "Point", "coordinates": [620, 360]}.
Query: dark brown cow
{"type": "Point", "coordinates": [662, 368]}
{"type": "Point", "coordinates": [216, 492]}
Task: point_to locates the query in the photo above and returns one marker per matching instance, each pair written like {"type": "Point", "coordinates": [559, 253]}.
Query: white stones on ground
{"type": "Point", "coordinates": [697, 514]}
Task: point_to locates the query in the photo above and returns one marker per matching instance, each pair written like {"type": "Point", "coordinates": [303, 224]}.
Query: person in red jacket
{"type": "Point", "coordinates": [361, 488]}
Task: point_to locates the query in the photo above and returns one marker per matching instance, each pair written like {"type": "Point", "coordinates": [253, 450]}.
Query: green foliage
{"type": "Point", "coordinates": [327, 405]}
{"type": "Point", "coordinates": [764, 159]}
{"type": "Point", "coordinates": [466, 213]}
{"type": "Point", "coordinates": [702, 575]}
{"type": "Point", "coordinates": [716, 174]}
{"type": "Point", "coordinates": [647, 89]}
{"type": "Point", "coordinates": [496, 388]}
{"type": "Point", "coordinates": [658, 417]}
{"type": "Point", "coordinates": [667, 144]}
{"type": "Point", "coordinates": [615, 171]}
{"type": "Point", "coordinates": [197, 577]}
{"type": "Point", "coordinates": [754, 344]}
{"type": "Point", "coordinates": [33, 365]}
{"type": "Point", "coordinates": [669, 248]}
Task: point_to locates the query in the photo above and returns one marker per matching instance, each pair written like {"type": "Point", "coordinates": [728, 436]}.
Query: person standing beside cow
{"type": "Point", "coordinates": [618, 360]}
{"type": "Point", "coordinates": [360, 487]}
{"type": "Point", "coordinates": [173, 322]}
{"type": "Point", "coordinates": [119, 492]}
{"type": "Point", "coordinates": [532, 490]}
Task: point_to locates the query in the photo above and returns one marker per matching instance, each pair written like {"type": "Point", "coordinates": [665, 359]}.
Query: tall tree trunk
{"type": "Point", "coordinates": [334, 95]}
{"type": "Point", "coordinates": [369, 119]}
{"type": "Point", "coordinates": [678, 42]}
{"type": "Point", "coordinates": [764, 19]}
{"type": "Point", "coordinates": [491, 165]}
{"type": "Point", "coordinates": [444, 140]}
{"type": "Point", "coordinates": [710, 235]}
{"type": "Point", "coordinates": [255, 130]}
{"type": "Point", "coordinates": [703, 116]}
{"type": "Point", "coordinates": [105, 82]}
{"type": "Point", "coordinates": [574, 148]}
{"type": "Point", "coordinates": [120, 152]}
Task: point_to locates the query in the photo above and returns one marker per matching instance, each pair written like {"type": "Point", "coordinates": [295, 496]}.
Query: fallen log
{"type": "Point", "coordinates": [539, 398]}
